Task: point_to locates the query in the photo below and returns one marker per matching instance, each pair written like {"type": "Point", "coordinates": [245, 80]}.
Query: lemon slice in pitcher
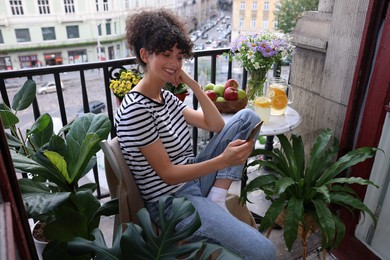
{"type": "Point", "coordinates": [279, 102]}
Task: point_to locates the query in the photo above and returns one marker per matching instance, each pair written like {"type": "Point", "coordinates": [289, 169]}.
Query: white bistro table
{"type": "Point", "coordinates": [277, 124]}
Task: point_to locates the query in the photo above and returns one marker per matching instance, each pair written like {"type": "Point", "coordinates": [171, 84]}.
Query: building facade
{"type": "Point", "coordinates": [47, 32]}
{"type": "Point", "coordinates": [249, 16]}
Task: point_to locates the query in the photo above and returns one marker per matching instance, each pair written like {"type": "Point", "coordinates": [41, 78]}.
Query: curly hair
{"type": "Point", "coordinates": [157, 31]}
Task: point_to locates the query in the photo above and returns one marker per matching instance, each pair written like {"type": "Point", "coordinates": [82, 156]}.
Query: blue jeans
{"type": "Point", "coordinates": [219, 226]}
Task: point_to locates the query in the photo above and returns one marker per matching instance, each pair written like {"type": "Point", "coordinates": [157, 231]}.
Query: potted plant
{"type": "Point", "coordinates": [56, 162]}
{"type": "Point", "coordinates": [124, 81]}
{"type": "Point", "coordinates": [304, 192]}
{"type": "Point", "coordinates": [143, 242]}
{"type": "Point", "coordinates": [181, 91]}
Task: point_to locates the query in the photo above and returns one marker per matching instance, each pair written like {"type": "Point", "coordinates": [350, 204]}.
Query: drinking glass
{"type": "Point", "coordinates": [262, 107]}
{"type": "Point", "coordinates": [277, 89]}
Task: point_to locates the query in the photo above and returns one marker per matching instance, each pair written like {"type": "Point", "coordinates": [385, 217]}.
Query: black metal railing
{"type": "Point", "coordinates": [212, 58]}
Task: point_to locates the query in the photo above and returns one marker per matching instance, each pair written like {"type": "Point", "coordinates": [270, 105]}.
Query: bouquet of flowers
{"type": "Point", "coordinates": [259, 51]}
{"type": "Point", "coordinates": [125, 82]}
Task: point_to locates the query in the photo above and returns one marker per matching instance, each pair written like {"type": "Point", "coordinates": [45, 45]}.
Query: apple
{"type": "Point", "coordinates": [231, 94]}
{"type": "Point", "coordinates": [209, 86]}
{"type": "Point", "coordinates": [211, 94]}
{"type": "Point", "coordinates": [219, 89]}
{"type": "Point", "coordinates": [220, 99]}
{"type": "Point", "coordinates": [241, 94]}
{"type": "Point", "coordinates": [231, 83]}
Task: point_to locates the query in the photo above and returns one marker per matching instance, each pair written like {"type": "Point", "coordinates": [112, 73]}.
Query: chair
{"type": "Point", "coordinates": [121, 185]}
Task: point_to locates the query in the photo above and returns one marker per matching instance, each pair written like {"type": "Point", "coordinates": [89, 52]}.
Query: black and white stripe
{"type": "Point", "coordinates": [141, 121]}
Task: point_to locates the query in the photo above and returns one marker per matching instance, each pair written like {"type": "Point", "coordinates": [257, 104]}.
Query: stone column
{"type": "Point", "coordinates": [327, 44]}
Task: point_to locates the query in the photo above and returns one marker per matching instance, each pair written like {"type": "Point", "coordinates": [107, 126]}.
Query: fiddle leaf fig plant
{"type": "Point", "coordinates": [55, 163]}
{"type": "Point", "coordinates": [142, 242]}
{"type": "Point", "coordinates": [298, 188]}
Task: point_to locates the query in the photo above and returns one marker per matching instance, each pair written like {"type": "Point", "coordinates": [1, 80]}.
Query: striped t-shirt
{"type": "Point", "coordinates": [141, 121]}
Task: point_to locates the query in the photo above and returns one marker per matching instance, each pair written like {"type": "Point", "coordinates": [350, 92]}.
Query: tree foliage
{"type": "Point", "coordinates": [289, 11]}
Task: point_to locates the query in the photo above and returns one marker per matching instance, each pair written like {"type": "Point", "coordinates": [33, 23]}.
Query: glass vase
{"type": "Point", "coordinates": [255, 86]}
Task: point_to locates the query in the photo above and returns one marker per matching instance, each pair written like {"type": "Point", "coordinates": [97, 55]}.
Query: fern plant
{"type": "Point", "coordinates": [299, 188]}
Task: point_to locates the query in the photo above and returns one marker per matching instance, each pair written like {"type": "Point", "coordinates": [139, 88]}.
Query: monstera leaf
{"type": "Point", "coordinates": [143, 242]}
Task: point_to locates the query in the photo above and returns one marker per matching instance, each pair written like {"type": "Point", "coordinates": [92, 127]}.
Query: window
{"type": "Point", "coordinates": [22, 35]}
{"type": "Point", "coordinates": [241, 22]}
{"type": "Point", "coordinates": [242, 5]}
{"type": "Point", "coordinates": [99, 27]}
{"type": "Point", "coordinates": [72, 31]}
{"type": "Point", "coordinates": [77, 56]}
{"type": "Point", "coordinates": [254, 6]}
{"type": "Point", "coordinates": [48, 33]}
{"type": "Point", "coordinates": [105, 5]}
{"type": "Point", "coordinates": [1, 37]}
{"type": "Point", "coordinates": [265, 24]}
{"type": "Point", "coordinates": [102, 5]}
{"type": "Point", "coordinates": [253, 23]}
{"type": "Point", "coordinates": [108, 28]}
{"type": "Point", "coordinates": [266, 6]}
{"type": "Point", "coordinates": [69, 6]}
{"type": "Point", "coordinates": [127, 5]}
{"type": "Point", "coordinates": [16, 7]}
{"type": "Point", "coordinates": [43, 7]}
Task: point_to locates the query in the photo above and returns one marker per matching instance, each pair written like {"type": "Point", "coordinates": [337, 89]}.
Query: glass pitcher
{"type": "Point", "coordinates": [281, 95]}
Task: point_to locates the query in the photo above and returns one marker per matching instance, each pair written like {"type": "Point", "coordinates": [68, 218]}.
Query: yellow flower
{"type": "Point", "coordinates": [125, 82]}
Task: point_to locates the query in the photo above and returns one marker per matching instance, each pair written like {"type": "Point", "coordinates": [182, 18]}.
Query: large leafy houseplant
{"type": "Point", "coordinates": [55, 163]}
{"type": "Point", "coordinates": [143, 242]}
{"type": "Point", "coordinates": [303, 192]}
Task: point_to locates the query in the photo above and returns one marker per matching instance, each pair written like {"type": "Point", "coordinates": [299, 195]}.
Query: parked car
{"type": "Point", "coordinates": [199, 46]}
{"type": "Point", "coordinates": [95, 107]}
{"type": "Point", "coordinates": [48, 87]}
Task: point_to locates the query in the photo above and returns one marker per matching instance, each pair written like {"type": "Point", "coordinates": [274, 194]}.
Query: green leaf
{"type": "Point", "coordinates": [294, 214]}
{"type": "Point", "coordinates": [282, 184]}
{"type": "Point", "coordinates": [59, 162]}
{"type": "Point", "coordinates": [25, 96]}
{"type": "Point", "coordinates": [315, 160]}
{"type": "Point", "coordinates": [83, 141]}
{"type": "Point", "coordinates": [324, 191]}
{"type": "Point", "coordinates": [9, 119]}
{"type": "Point", "coordinates": [325, 222]}
{"type": "Point", "coordinates": [41, 205]}
{"type": "Point", "coordinates": [352, 158]}
{"type": "Point", "coordinates": [25, 164]}
{"type": "Point", "coordinates": [272, 213]}
{"type": "Point", "coordinates": [340, 231]}
{"type": "Point", "coordinates": [289, 155]}
{"type": "Point", "coordinates": [41, 131]}
{"type": "Point", "coordinates": [81, 246]}
{"type": "Point", "coordinates": [299, 154]}
{"type": "Point", "coordinates": [352, 180]}
{"type": "Point", "coordinates": [348, 200]}
{"type": "Point", "coordinates": [258, 183]}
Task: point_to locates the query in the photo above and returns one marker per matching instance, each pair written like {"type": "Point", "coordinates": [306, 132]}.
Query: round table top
{"type": "Point", "coordinates": [277, 124]}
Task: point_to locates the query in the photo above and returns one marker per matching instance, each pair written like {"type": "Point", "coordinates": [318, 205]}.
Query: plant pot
{"type": "Point", "coordinates": [118, 101]}
{"type": "Point", "coordinates": [304, 229]}
{"type": "Point", "coordinates": [39, 239]}
{"type": "Point", "coordinates": [182, 96]}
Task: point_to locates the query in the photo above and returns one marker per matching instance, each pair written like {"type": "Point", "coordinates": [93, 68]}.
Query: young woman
{"type": "Point", "coordinates": [152, 128]}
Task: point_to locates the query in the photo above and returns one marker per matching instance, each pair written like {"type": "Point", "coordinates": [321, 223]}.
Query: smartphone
{"type": "Point", "coordinates": [254, 131]}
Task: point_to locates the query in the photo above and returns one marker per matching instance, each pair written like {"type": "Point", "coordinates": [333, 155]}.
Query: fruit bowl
{"type": "Point", "coordinates": [231, 107]}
